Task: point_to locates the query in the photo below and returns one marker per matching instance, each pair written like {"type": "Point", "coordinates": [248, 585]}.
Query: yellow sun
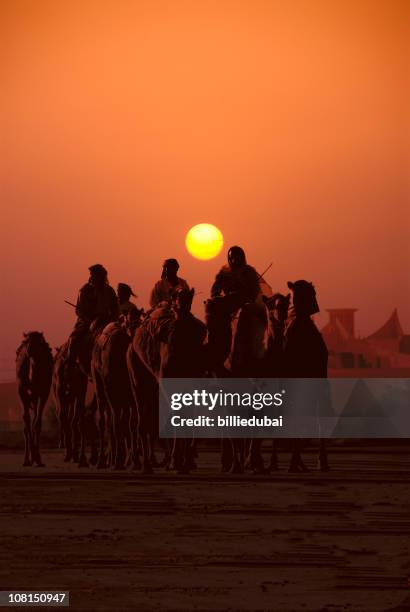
{"type": "Point", "coordinates": [204, 241]}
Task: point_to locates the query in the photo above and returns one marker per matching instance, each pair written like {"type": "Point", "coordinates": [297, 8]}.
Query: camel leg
{"type": "Point", "coordinates": [237, 466]}
{"type": "Point", "coordinates": [166, 446]}
{"type": "Point", "coordinates": [33, 450]}
{"type": "Point", "coordinates": [61, 441]}
{"type": "Point", "coordinates": [174, 456]}
{"type": "Point", "coordinates": [75, 414]}
{"type": "Point", "coordinates": [94, 433]}
{"type": "Point", "coordinates": [27, 435]}
{"type": "Point", "coordinates": [296, 462]}
{"type": "Point", "coordinates": [191, 453]}
{"type": "Point", "coordinates": [142, 390]}
{"type": "Point", "coordinates": [273, 464]}
{"type": "Point", "coordinates": [119, 418]}
{"type": "Point", "coordinates": [154, 434]}
{"type": "Point", "coordinates": [295, 456]}
{"type": "Point", "coordinates": [255, 459]}
{"type": "Point", "coordinates": [323, 462]}
{"type": "Point", "coordinates": [68, 435]}
{"type": "Point", "coordinates": [145, 428]}
{"type": "Point", "coordinates": [247, 450]}
{"type": "Point", "coordinates": [177, 456]}
{"type": "Point", "coordinates": [82, 460]}
{"type": "Point", "coordinates": [154, 461]}
{"type": "Point", "coordinates": [102, 457]}
{"type": "Point", "coordinates": [118, 458]}
{"type": "Point", "coordinates": [61, 405]}
{"type": "Point", "coordinates": [226, 454]}
{"type": "Point", "coordinates": [111, 439]}
{"type": "Point", "coordinates": [132, 364]}
{"type": "Point", "coordinates": [146, 459]}
{"type": "Point", "coordinates": [80, 409]}
{"type": "Point", "coordinates": [94, 450]}
{"type": "Point", "coordinates": [144, 436]}
{"type": "Point", "coordinates": [133, 426]}
{"type": "Point", "coordinates": [182, 456]}
{"type": "Point", "coordinates": [112, 447]}
{"type": "Point", "coordinates": [126, 432]}
{"type": "Point", "coordinates": [146, 442]}
{"type": "Point", "coordinates": [63, 428]}
{"type": "Point", "coordinates": [75, 435]}
{"type": "Point", "coordinates": [102, 409]}
{"type": "Point", "coordinates": [36, 429]}
{"type": "Point", "coordinates": [187, 454]}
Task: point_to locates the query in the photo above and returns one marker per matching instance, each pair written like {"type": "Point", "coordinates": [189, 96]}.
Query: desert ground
{"type": "Point", "coordinates": [208, 541]}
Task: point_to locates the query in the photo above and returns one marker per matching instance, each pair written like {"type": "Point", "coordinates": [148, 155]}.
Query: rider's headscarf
{"type": "Point", "coordinates": [239, 254]}
{"type": "Point", "coordinates": [167, 263]}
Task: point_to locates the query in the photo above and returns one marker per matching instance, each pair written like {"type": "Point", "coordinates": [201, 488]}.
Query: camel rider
{"type": "Point", "coordinates": [170, 282]}
{"type": "Point", "coordinates": [237, 279]}
{"type": "Point", "coordinates": [128, 310]}
{"type": "Point", "coordinates": [96, 299]}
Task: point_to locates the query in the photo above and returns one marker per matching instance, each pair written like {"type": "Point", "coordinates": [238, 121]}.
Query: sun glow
{"type": "Point", "coordinates": [204, 241]}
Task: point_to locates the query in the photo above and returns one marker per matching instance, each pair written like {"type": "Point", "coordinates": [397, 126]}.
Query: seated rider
{"type": "Point", "coordinates": [96, 300]}
{"type": "Point", "coordinates": [164, 288]}
{"type": "Point", "coordinates": [237, 279]}
{"type": "Point", "coordinates": [185, 336]}
{"type": "Point", "coordinates": [128, 309]}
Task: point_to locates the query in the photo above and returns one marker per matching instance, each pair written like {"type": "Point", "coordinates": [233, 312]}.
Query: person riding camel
{"type": "Point", "coordinates": [96, 300]}
{"type": "Point", "coordinates": [237, 279]}
{"type": "Point", "coordinates": [170, 282]}
{"type": "Point", "coordinates": [185, 337]}
{"type": "Point", "coordinates": [128, 310]}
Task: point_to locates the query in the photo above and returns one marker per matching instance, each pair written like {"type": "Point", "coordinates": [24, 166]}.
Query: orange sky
{"type": "Point", "coordinates": [126, 122]}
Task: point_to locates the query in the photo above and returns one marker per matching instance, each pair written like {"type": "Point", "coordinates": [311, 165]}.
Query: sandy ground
{"type": "Point", "coordinates": [121, 541]}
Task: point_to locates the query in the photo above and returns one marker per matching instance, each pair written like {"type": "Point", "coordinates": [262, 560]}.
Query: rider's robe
{"type": "Point", "coordinates": [163, 289]}
{"type": "Point", "coordinates": [96, 301]}
{"type": "Point", "coordinates": [243, 281]}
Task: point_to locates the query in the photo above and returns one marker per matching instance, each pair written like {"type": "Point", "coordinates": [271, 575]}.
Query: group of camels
{"type": "Point", "coordinates": [123, 364]}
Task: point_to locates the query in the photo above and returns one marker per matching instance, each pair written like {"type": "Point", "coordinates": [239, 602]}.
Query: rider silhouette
{"type": "Point", "coordinates": [96, 300]}
{"type": "Point", "coordinates": [237, 277]}
{"type": "Point", "coordinates": [164, 288]}
{"type": "Point", "coordinates": [127, 308]}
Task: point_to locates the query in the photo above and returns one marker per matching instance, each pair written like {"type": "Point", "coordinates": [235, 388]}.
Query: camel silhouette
{"type": "Point", "coordinates": [34, 364]}
{"type": "Point", "coordinates": [169, 343]}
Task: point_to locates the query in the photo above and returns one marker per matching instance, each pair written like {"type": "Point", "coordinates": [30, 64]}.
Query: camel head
{"type": "Point", "coordinates": [221, 308]}
{"type": "Point", "coordinates": [303, 298]}
{"type": "Point", "coordinates": [278, 306]}
{"type": "Point", "coordinates": [35, 343]}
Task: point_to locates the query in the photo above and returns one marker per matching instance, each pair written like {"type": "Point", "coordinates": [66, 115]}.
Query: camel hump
{"type": "Point", "coordinates": [108, 330]}
{"type": "Point", "coordinates": [148, 337]}
{"type": "Point", "coordinates": [254, 308]}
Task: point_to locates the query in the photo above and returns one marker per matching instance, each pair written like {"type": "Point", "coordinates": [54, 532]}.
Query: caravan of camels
{"type": "Point", "coordinates": [121, 353]}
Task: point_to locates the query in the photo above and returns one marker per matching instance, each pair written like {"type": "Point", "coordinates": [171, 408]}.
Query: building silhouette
{"type": "Point", "coordinates": [386, 352]}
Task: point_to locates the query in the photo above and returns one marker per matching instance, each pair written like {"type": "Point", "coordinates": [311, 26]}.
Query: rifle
{"type": "Point", "coordinates": [263, 273]}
